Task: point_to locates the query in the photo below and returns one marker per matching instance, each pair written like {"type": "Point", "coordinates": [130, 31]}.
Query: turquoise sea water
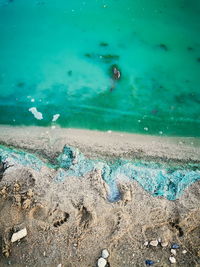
{"type": "Point", "coordinates": [56, 59]}
{"type": "Point", "coordinates": [159, 180]}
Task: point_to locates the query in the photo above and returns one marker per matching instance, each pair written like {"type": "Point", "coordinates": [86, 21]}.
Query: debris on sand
{"type": "Point", "coordinates": [172, 260]}
{"type": "Point", "coordinates": [149, 262]}
{"type": "Point", "coordinates": [173, 251]}
{"type": "Point", "coordinates": [164, 244]}
{"type": "Point", "coordinates": [19, 235]}
{"type": "Point", "coordinates": [154, 243]}
{"type": "Point", "coordinates": [105, 254]}
{"type": "Point", "coordinates": [175, 246]}
{"type": "Point", "coordinates": [101, 262]}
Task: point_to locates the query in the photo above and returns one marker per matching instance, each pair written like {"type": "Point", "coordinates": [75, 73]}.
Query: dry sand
{"type": "Point", "coordinates": [69, 223]}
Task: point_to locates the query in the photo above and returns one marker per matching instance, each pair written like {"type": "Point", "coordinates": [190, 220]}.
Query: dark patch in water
{"type": "Point", "coordinates": [69, 73]}
{"type": "Point", "coordinates": [189, 48]}
{"type": "Point", "coordinates": [103, 44]}
{"type": "Point", "coordinates": [20, 84]}
{"type": "Point", "coordinates": [163, 47]}
{"type": "Point", "coordinates": [183, 98]}
{"type": "Point", "coordinates": [88, 55]}
{"type": "Point", "coordinates": [198, 59]}
{"type": "Point", "coordinates": [108, 58]}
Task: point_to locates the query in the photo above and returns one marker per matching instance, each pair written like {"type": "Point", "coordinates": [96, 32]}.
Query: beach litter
{"type": "Point", "coordinates": [19, 235]}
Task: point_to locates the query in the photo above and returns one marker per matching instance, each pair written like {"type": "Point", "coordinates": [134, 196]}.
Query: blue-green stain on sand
{"type": "Point", "coordinates": [157, 179]}
{"type": "Point", "coordinates": [57, 57]}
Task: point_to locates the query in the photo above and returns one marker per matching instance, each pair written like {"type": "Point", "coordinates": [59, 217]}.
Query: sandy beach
{"type": "Point", "coordinates": [72, 221]}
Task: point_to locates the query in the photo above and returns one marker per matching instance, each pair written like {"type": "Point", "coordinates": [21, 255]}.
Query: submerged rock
{"type": "Point", "coordinates": [116, 72]}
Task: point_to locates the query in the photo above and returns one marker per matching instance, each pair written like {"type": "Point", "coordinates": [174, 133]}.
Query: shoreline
{"type": "Point", "coordinates": [48, 142]}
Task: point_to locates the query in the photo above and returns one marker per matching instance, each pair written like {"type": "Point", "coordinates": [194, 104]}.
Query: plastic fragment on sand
{"type": "Point", "coordinates": [19, 235]}
{"type": "Point", "coordinates": [149, 262]}
{"type": "Point", "coordinates": [175, 246]}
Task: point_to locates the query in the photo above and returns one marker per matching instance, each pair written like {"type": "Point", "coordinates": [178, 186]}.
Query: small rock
{"type": "Point", "coordinates": [164, 244]}
{"type": "Point", "coordinates": [101, 262]}
{"type": "Point", "coordinates": [105, 254]}
{"type": "Point", "coordinates": [184, 251]}
{"type": "Point", "coordinates": [149, 262]}
{"type": "Point", "coordinates": [59, 265]}
{"type": "Point", "coordinates": [172, 259]}
{"type": "Point", "coordinates": [159, 240]}
{"type": "Point", "coordinates": [175, 246]}
{"type": "Point", "coordinates": [19, 235]}
{"type": "Point", "coordinates": [146, 243]}
{"type": "Point", "coordinates": [154, 243]}
{"type": "Point", "coordinates": [173, 251]}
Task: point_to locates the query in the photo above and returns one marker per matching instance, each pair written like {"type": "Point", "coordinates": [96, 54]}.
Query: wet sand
{"type": "Point", "coordinates": [70, 222]}
{"type": "Point", "coordinates": [95, 144]}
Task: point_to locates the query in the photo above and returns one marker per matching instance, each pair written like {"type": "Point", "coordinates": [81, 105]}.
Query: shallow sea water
{"type": "Point", "coordinates": [56, 58]}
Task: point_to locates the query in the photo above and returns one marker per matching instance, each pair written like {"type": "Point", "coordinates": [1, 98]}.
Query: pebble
{"type": "Point", "coordinates": [149, 262]}
{"type": "Point", "coordinates": [146, 243]}
{"type": "Point", "coordinates": [59, 265]}
{"type": "Point", "coordinates": [19, 235]}
{"type": "Point", "coordinates": [164, 244]}
{"type": "Point", "coordinates": [184, 251]}
{"type": "Point", "coordinates": [173, 251]}
{"type": "Point", "coordinates": [172, 259]}
{"type": "Point", "coordinates": [101, 262]}
{"type": "Point", "coordinates": [105, 253]}
{"type": "Point", "coordinates": [154, 243]}
{"type": "Point", "coordinates": [175, 246]}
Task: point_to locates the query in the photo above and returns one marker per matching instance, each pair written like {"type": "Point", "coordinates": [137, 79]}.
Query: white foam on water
{"type": "Point", "coordinates": [37, 114]}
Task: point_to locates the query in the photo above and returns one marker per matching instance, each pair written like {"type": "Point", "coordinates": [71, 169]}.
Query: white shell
{"type": "Point", "coordinates": [173, 251]}
{"type": "Point", "coordinates": [154, 243]}
{"type": "Point", "coordinates": [164, 244]}
{"type": "Point", "coordinates": [101, 262]}
{"type": "Point", "coordinates": [172, 259]}
{"type": "Point", "coordinates": [105, 254]}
